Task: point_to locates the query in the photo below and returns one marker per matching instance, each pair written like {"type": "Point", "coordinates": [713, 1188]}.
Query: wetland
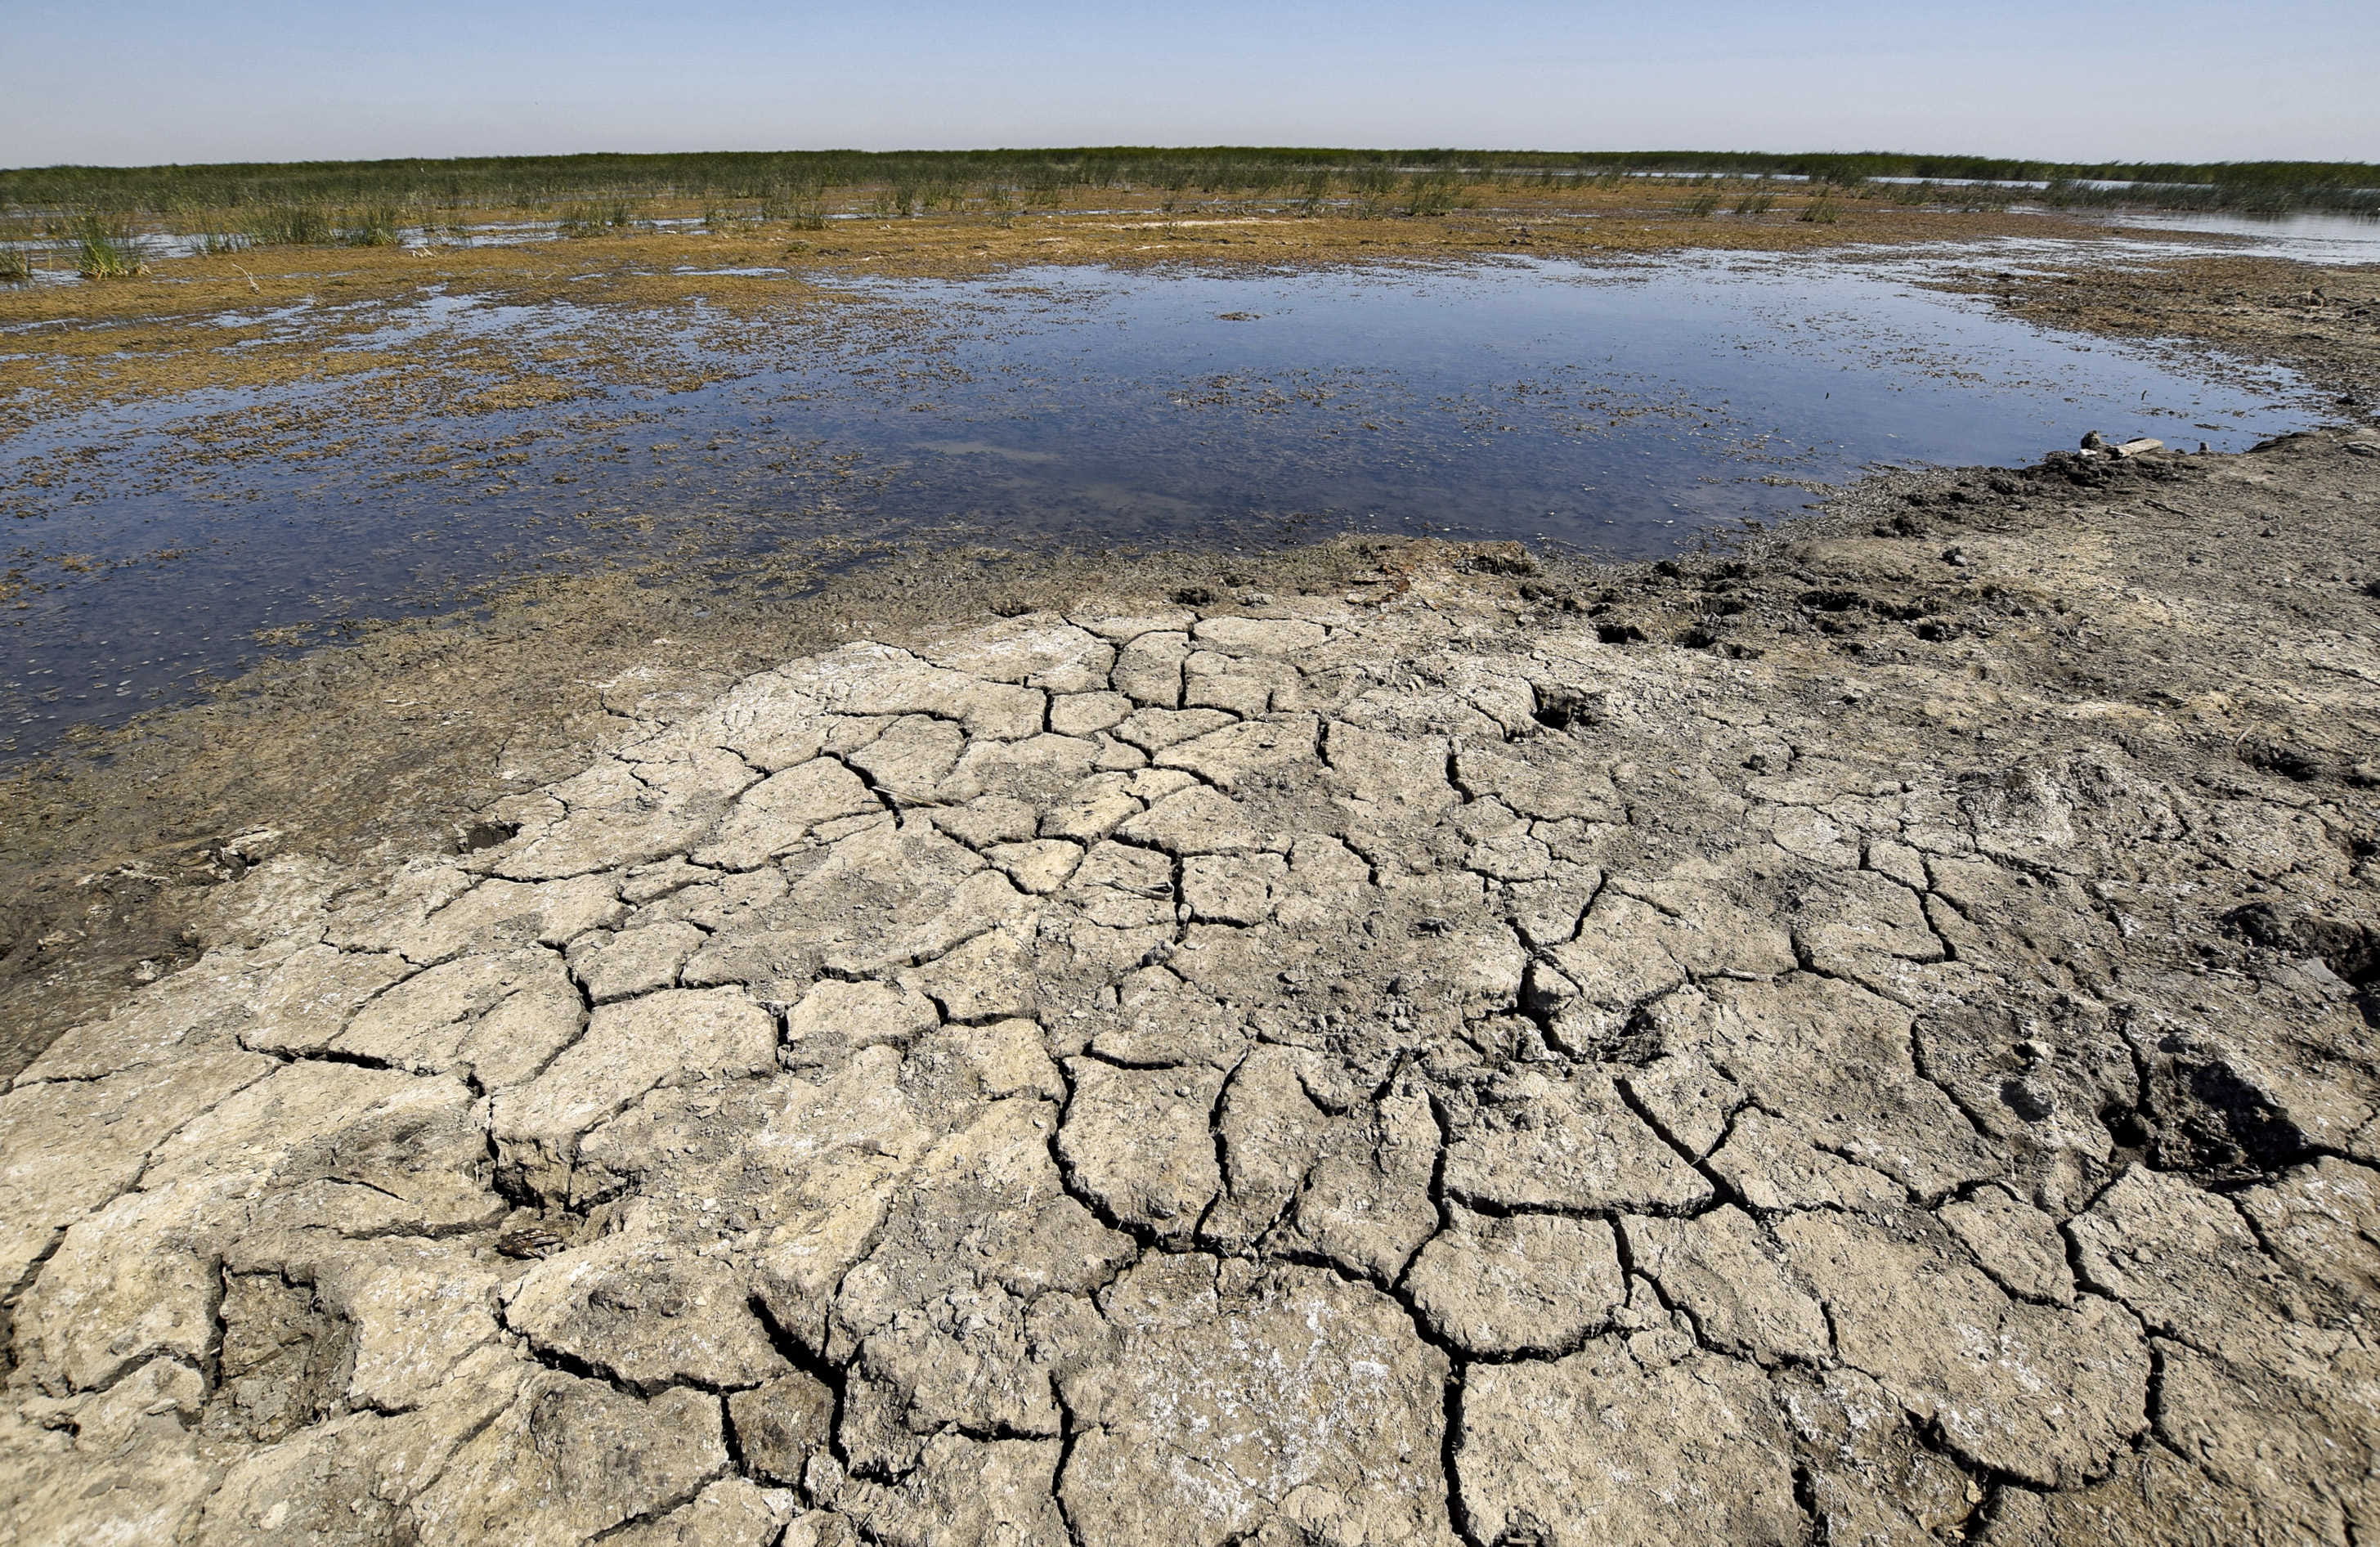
{"type": "Point", "coordinates": [325, 464]}
{"type": "Point", "coordinates": [1149, 867]}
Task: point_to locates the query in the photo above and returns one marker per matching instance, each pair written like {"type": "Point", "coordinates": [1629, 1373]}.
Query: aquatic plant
{"type": "Point", "coordinates": [20, 239]}
{"type": "Point", "coordinates": [580, 221]}
{"type": "Point", "coordinates": [106, 247]}
{"type": "Point", "coordinates": [289, 225]}
{"type": "Point", "coordinates": [1822, 211]}
{"type": "Point", "coordinates": [1754, 204]}
{"type": "Point", "coordinates": [1432, 194]}
{"type": "Point", "coordinates": [375, 225]}
{"type": "Point", "coordinates": [1372, 186]}
{"type": "Point", "coordinates": [302, 202]}
{"type": "Point", "coordinates": [803, 207]}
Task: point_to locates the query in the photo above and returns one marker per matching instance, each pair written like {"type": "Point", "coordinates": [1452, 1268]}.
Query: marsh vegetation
{"type": "Point", "coordinates": [105, 246]}
{"type": "Point", "coordinates": [387, 203]}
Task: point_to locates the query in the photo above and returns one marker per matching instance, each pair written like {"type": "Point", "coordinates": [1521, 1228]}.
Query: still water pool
{"type": "Point", "coordinates": [1626, 409]}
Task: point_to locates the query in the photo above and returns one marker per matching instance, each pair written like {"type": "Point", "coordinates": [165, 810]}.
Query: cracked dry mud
{"type": "Point", "coordinates": [1848, 1047]}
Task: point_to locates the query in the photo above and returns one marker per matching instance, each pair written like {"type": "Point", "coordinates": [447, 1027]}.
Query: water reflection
{"type": "Point", "coordinates": [1622, 408]}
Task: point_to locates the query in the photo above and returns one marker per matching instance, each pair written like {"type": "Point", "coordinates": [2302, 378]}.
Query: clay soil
{"type": "Point", "coordinates": [1867, 1035]}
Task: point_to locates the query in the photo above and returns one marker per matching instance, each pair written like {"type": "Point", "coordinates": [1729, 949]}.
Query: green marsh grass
{"type": "Point", "coordinates": [803, 207]}
{"type": "Point", "coordinates": [526, 182]}
{"type": "Point", "coordinates": [19, 240]}
{"type": "Point", "coordinates": [1432, 194]}
{"type": "Point", "coordinates": [375, 225]}
{"type": "Point", "coordinates": [603, 218]}
{"type": "Point", "coordinates": [1372, 187]}
{"type": "Point", "coordinates": [106, 247]}
{"type": "Point", "coordinates": [324, 202]}
{"type": "Point", "coordinates": [289, 225]}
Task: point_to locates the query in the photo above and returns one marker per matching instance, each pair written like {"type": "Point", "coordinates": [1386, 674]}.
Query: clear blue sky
{"type": "Point", "coordinates": [130, 81]}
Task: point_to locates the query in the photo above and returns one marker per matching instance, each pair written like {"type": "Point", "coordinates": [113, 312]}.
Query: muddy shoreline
{"type": "Point", "coordinates": [391, 743]}
{"type": "Point", "coordinates": [394, 740]}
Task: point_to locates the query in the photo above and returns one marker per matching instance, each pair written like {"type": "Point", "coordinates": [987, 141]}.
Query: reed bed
{"type": "Point", "coordinates": [106, 247]}
{"type": "Point", "coordinates": [944, 180]}
{"type": "Point", "coordinates": [607, 217]}
{"type": "Point", "coordinates": [20, 239]}
{"type": "Point", "coordinates": [98, 214]}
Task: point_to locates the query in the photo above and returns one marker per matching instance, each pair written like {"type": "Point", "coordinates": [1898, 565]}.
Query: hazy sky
{"type": "Point", "coordinates": [134, 81]}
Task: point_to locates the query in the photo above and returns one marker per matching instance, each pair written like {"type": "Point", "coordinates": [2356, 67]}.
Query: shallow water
{"type": "Point", "coordinates": [1627, 409]}
{"type": "Point", "coordinates": [2306, 238]}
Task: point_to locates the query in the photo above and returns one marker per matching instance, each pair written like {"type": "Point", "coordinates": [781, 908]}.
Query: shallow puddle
{"type": "Point", "coordinates": [1628, 409]}
{"type": "Point", "coordinates": [2308, 236]}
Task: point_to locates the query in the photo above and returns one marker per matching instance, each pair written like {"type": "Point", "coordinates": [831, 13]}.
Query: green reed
{"type": "Point", "coordinates": [106, 247]}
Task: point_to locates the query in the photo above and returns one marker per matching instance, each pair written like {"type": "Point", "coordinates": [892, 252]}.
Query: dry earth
{"type": "Point", "coordinates": [1869, 1041]}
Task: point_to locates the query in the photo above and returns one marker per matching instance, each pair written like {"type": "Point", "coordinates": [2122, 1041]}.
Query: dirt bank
{"type": "Point", "coordinates": [1869, 1036]}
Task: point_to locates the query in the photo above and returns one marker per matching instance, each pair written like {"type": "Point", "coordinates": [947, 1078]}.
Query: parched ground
{"type": "Point", "coordinates": [1870, 1040]}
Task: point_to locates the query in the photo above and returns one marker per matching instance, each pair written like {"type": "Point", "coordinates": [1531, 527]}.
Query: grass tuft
{"type": "Point", "coordinates": [19, 240]}
{"type": "Point", "coordinates": [801, 206]}
{"type": "Point", "coordinates": [106, 247]}
{"type": "Point", "coordinates": [375, 225]}
{"type": "Point", "coordinates": [1372, 186]}
{"type": "Point", "coordinates": [1433, 193]}
{"type": "Point", "coordinates": [289, 225]}
{"type": "Point", "coordinates": [604, 218]}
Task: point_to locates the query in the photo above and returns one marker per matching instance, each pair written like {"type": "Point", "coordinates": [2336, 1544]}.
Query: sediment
{"type": "Point", "coordinates": [1866, 1036]}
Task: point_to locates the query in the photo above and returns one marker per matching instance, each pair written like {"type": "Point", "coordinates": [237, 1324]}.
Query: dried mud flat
{"type": "Point", "coordinates": [1868, 1041]}
{"type": "Point", "coordinates": [1866, 1038]}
